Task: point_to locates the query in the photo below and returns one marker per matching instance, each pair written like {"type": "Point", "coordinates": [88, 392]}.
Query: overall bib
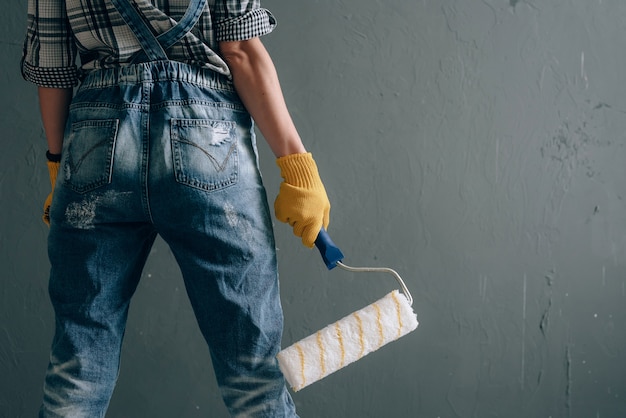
{"type": "Point", "coordinates": [162, 147]}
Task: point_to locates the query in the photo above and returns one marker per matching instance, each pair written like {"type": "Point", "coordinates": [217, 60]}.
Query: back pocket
{"type": "Point", "coordinates": [89, 154]}
{"type": "Point", "coordinates": [205, 153]}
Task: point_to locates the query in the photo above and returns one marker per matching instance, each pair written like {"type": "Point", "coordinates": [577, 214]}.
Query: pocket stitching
{"type": "Point", "coordinates": [109, 142]}
{"type": "Point", "coordinates": [181, 171]}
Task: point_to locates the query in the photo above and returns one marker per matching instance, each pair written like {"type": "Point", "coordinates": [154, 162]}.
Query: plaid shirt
{"type": "Point", "coordinates": [59, 30]}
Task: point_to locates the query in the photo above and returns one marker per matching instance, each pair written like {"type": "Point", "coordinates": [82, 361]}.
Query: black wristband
{"type": "Point", "coordinates": [54, 158]}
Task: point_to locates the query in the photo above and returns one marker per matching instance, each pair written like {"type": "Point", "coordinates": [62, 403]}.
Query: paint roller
{"type": "Point", "coordinates": [352, 337]}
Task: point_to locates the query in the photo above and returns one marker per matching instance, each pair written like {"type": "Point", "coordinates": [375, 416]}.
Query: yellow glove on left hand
{"type": "Point", "coordinates": [53, 170]}
{"type": "Point", "coordinates": [302, 201]}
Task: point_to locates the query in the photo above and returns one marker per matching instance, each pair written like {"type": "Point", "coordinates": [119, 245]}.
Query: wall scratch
{"type": "Point", "coordinates": [545, 316]}
{"type": "Point", "coordinates": [583, 72]}
{"type": "Point", "coordinates": [568, 382]}
{"type": "Point", "coordinates": [523, 334]}
{"type": "Point", "coordinates": [483, 287]}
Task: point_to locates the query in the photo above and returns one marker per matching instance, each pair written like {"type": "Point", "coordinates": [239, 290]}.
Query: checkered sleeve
{"type": "Point", "coordinates": [241, 20]}
{"type": "Point", "coordinates": [49, 53]}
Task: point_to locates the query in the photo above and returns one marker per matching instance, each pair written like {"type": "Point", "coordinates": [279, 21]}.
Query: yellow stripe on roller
{"type": "Point", "coordinates": [361, 336]}
{"type": "Point", "coordinates": [398, 312]}
{"type": "Point", "coordinates": [341, 347]}
{"type": "Point", "coordinates": [320, 344]}
{"type": "Point", "coordinates": [381, 335]}
{"type": "Point", "coordinates": [301, 353]}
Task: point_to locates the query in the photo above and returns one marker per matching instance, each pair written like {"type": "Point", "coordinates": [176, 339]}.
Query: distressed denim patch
{"type": "Point", "coordinates": [204, 153]}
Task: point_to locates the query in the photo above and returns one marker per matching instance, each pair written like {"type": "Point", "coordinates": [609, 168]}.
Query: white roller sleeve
{"type": "Point", "coordinates": [347, 340]}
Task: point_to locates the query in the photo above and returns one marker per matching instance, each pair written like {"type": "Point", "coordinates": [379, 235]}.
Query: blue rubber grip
{"type": "Point", "coordinates": [329, 251]}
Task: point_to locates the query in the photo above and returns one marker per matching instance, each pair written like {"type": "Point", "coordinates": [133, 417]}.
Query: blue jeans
{"type": "Point", "coordinates": [162, 148]}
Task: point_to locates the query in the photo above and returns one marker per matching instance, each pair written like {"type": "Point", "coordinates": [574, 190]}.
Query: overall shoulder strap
{"type": "Point", "coordinates": [185, 24]}
{"type": "Point", "coordinates": [154, 46]}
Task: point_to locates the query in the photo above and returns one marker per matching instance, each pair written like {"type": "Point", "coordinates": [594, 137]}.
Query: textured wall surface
{"type": "Point", "coordinates": [476, 146]}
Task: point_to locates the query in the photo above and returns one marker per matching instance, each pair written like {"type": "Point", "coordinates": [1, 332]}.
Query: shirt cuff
{"type": "Point", "coordinates": [61, 78]}
{"type": "Point", "coordinates": [252, 24]}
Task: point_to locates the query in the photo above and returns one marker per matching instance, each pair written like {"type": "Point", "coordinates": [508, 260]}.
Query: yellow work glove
{"type": "Point", "coordinates": [53, 170]}
{"type": "Point", "coordinates": [302, 201]}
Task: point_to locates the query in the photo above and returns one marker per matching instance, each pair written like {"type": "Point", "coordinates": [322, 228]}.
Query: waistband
{"type": "Point", "coordinates": [155, 71]}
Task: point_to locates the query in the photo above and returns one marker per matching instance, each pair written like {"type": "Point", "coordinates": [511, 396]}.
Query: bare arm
{"type": "Point", "coordinates": [256, 82]}
{"type": "Point", "coordinates": [54, 105]}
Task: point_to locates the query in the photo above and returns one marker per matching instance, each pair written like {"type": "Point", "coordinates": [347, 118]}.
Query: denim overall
{"type": "Point", "coordinates": [162, 147]}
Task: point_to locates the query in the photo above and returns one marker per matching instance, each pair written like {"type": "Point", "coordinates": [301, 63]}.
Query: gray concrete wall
{"type": "Point", "coordinates": [476, 146]}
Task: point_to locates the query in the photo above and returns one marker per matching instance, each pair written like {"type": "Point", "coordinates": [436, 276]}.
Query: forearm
{"type": "Point", "coordinates": [256, 82]}
{"type": "Point", "coordinates": [54, 106]}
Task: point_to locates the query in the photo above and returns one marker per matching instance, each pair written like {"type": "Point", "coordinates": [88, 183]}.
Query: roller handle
{"type": "Point", "coordinates": [331, 254]}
